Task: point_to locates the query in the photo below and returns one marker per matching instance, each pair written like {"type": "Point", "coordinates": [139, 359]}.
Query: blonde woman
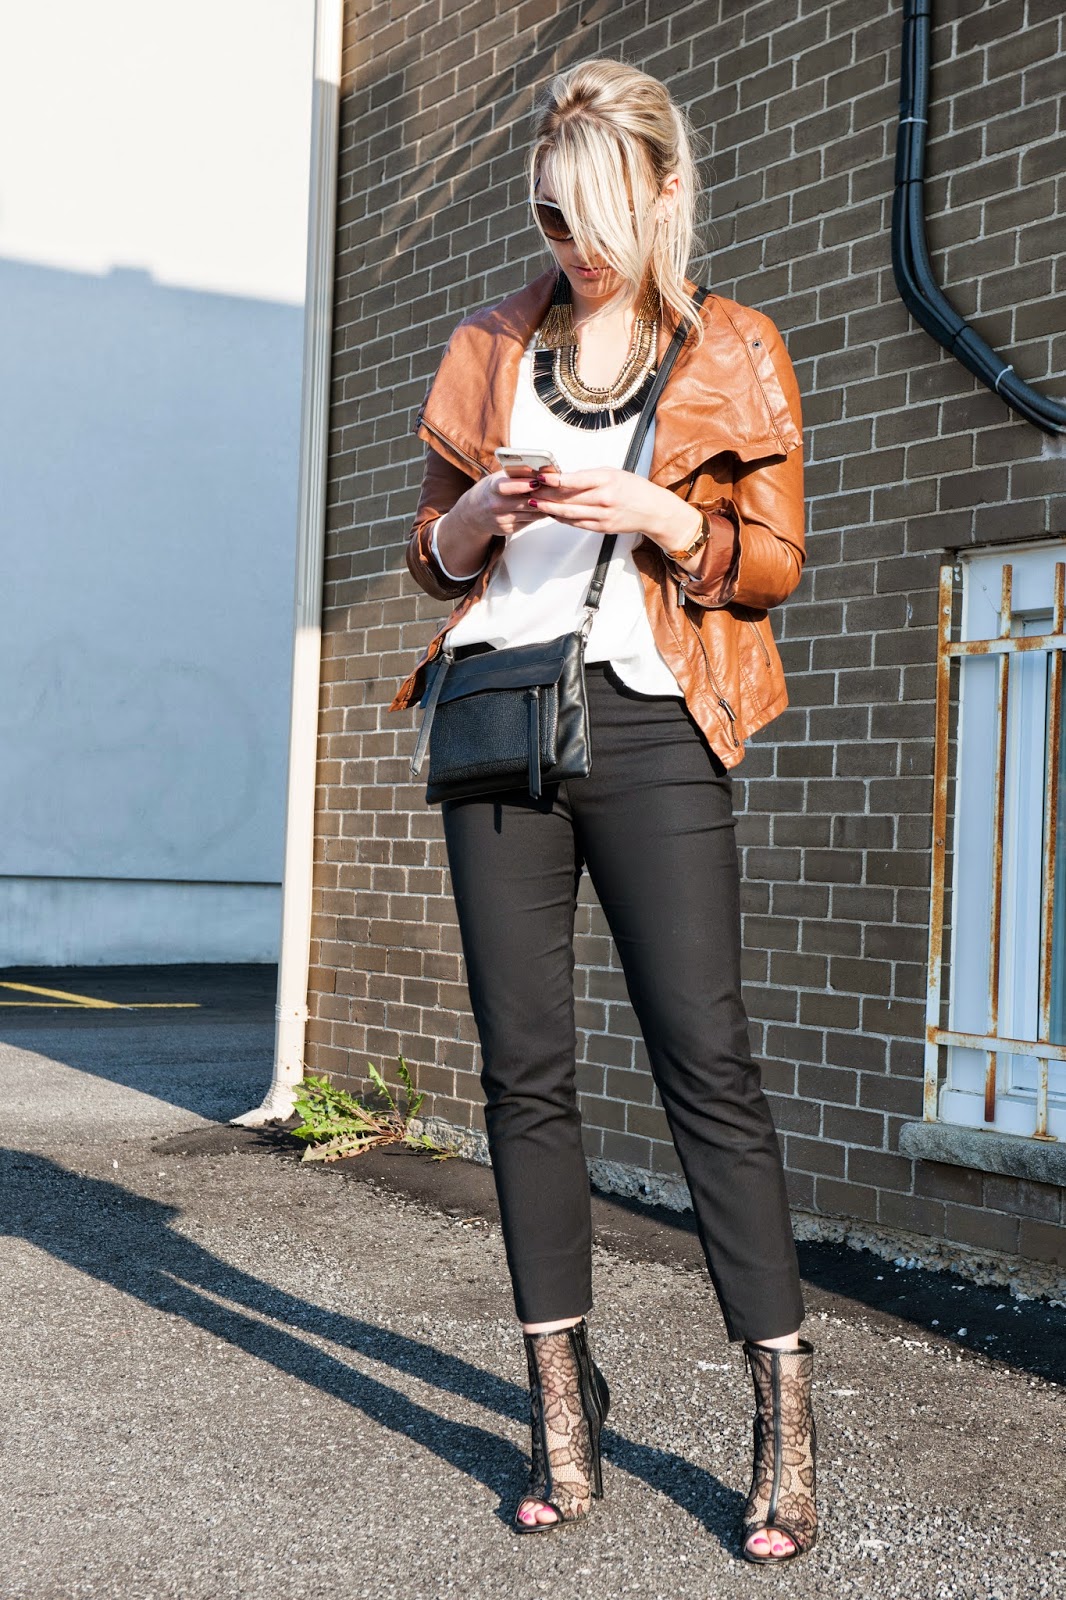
{"type": "Point", "coordinates": [681, 668]}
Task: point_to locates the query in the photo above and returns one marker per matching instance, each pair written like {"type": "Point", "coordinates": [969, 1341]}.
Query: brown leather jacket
{"type": "Point", "coordinates": [727, 438]}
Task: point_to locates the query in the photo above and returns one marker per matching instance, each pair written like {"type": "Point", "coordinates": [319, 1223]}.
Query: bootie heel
{"type": "Point", "coordinates": [569, 1401]}
{"type": "Point", "coordinates": [782, 1495]}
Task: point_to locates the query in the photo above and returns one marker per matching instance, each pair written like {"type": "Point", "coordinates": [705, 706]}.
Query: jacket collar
{"type": "Point", "coordinates": [724, 394]}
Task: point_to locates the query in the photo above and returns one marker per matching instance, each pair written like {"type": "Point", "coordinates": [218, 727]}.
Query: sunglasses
{"type": "Point", "coordinates": [552, 222]}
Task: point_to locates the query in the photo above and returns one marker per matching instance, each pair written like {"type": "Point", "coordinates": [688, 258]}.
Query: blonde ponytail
{"type": "Point", "coordinates": [609, 136]}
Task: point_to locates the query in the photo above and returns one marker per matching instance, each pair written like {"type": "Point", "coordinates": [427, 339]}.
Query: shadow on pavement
{"type": "Point", "coordinates": [904, 1301]}
{"type": "Point", "coordinates": [127, 1241]}
{"type": "Point", "coordinates": [1026, 1335]}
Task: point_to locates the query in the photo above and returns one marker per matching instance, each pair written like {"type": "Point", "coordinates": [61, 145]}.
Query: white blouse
{"type": "Point", "coordinates": [539, 585]}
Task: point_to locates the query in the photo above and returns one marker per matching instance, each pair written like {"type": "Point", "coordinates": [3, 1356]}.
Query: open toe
{"type": "Point", "coordinates": [530, 1512]}
{"type": "Point", "coordinates": [770, 1545]}
{"type": "Point", "coordinates": [568, 1403]}
{"type": "Point", "coordinates": [780, 1518]}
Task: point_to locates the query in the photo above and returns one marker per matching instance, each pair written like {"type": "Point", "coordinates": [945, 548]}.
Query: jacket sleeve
{"type": "Point", "coordinates": [442, 484]}
{"type": "Point", "coordinates": [762, 562]}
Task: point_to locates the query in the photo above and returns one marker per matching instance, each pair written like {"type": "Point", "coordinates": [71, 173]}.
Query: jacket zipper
{"type": "Point", "coordinates": [722, 701]}
{"type": "Point", "coordinates": [478, 468]}
{"type": "Point", "coordinates": [759, 638]}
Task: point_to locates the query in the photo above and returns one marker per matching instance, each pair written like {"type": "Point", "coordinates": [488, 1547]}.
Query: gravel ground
{"type": "Point", "coordinates": [228, 1374]}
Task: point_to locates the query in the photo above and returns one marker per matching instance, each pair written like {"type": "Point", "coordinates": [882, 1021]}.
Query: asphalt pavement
{"type": "Point", "coordinates": [230, 1374]}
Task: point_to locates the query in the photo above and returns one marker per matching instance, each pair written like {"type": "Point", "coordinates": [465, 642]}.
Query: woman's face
{"type": "Point", "coordinates": [592, 281]}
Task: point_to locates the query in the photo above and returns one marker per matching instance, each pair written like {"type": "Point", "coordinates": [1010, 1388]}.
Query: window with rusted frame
{"type": "Point", "coordinates": [997, 969]}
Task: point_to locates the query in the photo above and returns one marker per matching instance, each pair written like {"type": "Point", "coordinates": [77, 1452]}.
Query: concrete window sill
{"type": "Point", "coordinates": [1010, 1155]}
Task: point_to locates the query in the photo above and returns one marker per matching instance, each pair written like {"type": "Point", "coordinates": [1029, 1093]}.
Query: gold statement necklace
{"type": "Point", "coordinates": [555, 375]}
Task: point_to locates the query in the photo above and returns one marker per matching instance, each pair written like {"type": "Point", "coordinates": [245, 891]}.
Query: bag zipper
{"type": "Point", "coordinates": [533, 737]}
{"type": "Point", "coordinates": [722, 701]}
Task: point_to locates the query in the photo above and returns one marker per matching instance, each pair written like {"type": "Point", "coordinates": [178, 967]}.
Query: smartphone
{"type": "Point", "coordinates": [522, 463]}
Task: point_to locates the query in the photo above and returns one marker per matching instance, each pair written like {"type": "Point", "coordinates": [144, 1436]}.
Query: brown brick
{"type": "Point", "coordinates": [852, 1126]}
{"type": "Point", "coordinates": [788, 967]}
{"type": "Point", "coordinates": [1021, 48]}
{"type": "Point", "coordinates": [833, 1085]}
{"type": "Point", "coordinates": [831, 938]}
{"type": "Point", "coordinates": [892, 1017]}
{"type": "Point", "coordinates": [879, 1092]}
{"type": "Point", "coordinates": [649, 1121]}
{"type": "Point", "coordinates": [840, 1199]}
{"type": "Point", "coordinates": [800, 899]}
{"type": "Point", "coordinates": [912, 1213]}
{"type": "Point", "coordinates": [800, 1189]}
{"type": "Point", "coordinates": [1040, 1200]}
{"type": "Point", "coordinates": [636, 1087]}
{"type": "Point", "coordinates": [829, 1010]}
{"type": "Point", "coordinates": [1042, 1241]}
{"type": "Point", "coordinates": [626, 1147]}
{"type": "Point", "coordinates": [985, 1229]}
{"type": "Point", "coordinates": [815, 1155]}
{"type": "Point", "coordinates": [856, 1051]}
{"type": "Point", "coordinates": [880, 1170]}
{"type": "Point", "coordinates": [793, 1115]}
{"type": "Point", "coordinates": [770, 1003]}
{"type": "Point", "coordinates": [804, 831]}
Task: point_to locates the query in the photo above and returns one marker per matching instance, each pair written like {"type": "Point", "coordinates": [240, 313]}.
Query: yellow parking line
{"type": "Point", "coordinates": [59, 998]}
{"type": "Point", "coordinates": [61, 994]}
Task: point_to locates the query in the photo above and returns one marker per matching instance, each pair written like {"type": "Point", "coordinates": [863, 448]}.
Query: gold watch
{"type": "Point", "coordinates": [698, 542]}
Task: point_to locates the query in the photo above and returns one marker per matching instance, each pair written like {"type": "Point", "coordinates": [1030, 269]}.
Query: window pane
{"type": "Point", "coordinates": [1058, 941]}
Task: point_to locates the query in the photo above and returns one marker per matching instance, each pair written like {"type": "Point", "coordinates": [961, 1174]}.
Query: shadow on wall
{"type": "Point", "coordinates": [149, 456]}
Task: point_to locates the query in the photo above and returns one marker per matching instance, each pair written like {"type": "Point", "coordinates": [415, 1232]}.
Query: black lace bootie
{"type": "Point", "coordinates": [782, 1494]}
{"type": "Point", "coordinates": [568, 1402]}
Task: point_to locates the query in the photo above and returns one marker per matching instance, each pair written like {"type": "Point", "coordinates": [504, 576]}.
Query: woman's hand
{"type": "Point", "coordinates": [496, 506]}
{"type": "Point", "coordinates": [610, 500]}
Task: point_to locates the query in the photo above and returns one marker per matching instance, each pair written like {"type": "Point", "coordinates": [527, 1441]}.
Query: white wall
{"type": "Point", "coordinates": [153, 201]}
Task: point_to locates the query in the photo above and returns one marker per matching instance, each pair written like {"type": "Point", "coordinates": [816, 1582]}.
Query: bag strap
{"type": "Point", "coordinates": [636, 444]}
{"type": "Point", "coordinates": [422, 742]}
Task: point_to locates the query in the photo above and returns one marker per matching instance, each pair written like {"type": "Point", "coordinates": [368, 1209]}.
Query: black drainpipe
{"type": "Point", "coordinates": [918, 288]}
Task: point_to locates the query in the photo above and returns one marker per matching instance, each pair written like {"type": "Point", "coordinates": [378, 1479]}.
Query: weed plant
{"type": "Point", "coordinates": [335, 1124]}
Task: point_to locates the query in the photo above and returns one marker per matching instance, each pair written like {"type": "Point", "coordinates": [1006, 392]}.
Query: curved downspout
{"type": "Point", "coordinates": [294, 959]}
{"type": "Point", "coordinates": [913, 271]}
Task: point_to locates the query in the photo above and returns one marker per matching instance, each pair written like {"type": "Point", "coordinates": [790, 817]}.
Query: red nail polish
{"type": "Point", "coordinates": [533, 503]}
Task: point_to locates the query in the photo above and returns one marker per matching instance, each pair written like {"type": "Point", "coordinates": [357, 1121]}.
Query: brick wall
{"type": "Point", "coordinates": [908, 458]}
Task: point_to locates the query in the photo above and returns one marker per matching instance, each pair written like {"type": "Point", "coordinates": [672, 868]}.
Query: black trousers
{"type": "Point", "coordinates": [653, 823]}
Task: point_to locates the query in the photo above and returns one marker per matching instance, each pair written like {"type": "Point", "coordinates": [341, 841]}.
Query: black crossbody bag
{"type": "Point", "coordinates": [518, 716]}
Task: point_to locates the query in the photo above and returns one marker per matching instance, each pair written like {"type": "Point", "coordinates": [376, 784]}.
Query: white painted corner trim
{"type": "Point", "coordinates": [294, 959]}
